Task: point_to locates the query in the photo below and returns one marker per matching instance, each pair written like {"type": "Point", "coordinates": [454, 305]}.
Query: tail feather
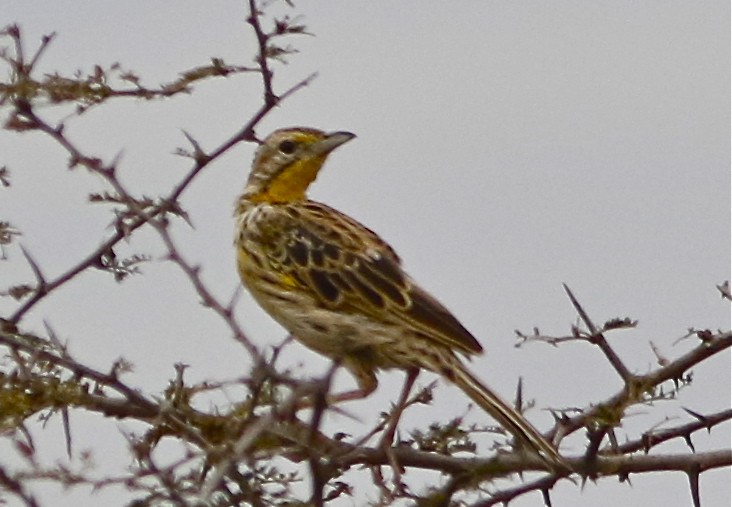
{"type": "Point", "coordinates": [505, 414]}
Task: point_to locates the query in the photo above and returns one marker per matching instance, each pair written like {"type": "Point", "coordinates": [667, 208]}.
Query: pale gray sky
{"type": "Point", "coordinates": [503, 148]}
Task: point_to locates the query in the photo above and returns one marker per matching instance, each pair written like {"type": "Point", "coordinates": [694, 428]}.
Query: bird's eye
{"type": "Point", "coordinates": [287, 147]}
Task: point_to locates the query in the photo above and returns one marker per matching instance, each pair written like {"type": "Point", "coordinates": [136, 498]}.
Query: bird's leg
{"type": "Point", "coordinates": [367, 384]}
{"type": "Point", "coordinates": [387, 439]}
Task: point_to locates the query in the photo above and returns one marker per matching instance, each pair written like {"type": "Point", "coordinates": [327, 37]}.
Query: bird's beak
{"type": "Point", "coordinates": [331, 142]}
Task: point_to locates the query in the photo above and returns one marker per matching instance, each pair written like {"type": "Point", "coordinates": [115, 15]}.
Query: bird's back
{"type": "Point", "coordinates": [315, 254]}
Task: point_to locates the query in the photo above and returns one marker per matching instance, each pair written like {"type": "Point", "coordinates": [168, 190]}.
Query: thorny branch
{"type": "Point", "coordinates": [595, 336]}
{"type": "Point", "coordinates": [86, 90]}
{"type": "Point", "coordinates": [600, 418]}
{"type": "Point", "coordinates": [132, 404]}
{"type": "Point", "coordinates": [25, 115]}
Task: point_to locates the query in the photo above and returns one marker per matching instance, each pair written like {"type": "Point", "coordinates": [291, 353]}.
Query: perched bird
{"type": "Point", "coordinates": [339, 289]}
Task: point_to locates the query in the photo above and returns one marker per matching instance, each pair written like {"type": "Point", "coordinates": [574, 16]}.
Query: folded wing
{"type": "Point", "coordinates": [349, 268]}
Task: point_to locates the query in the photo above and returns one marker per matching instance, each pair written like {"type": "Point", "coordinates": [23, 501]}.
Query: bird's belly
{"type": "Point", "coordinates": [335, 334]}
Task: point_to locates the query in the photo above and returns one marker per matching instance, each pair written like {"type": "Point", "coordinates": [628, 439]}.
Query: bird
{"type": "Point", "coordinates": [340, 290]}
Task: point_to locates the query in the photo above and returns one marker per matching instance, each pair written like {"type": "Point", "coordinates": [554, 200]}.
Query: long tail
{"type": "Point", "coordinates": [504, 413]}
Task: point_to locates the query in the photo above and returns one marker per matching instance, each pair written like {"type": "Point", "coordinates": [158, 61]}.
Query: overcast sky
{"type": "Point", "coordinates": [503, 148]}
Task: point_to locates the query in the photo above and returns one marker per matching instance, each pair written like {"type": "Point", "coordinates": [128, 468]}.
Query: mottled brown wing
{"type": "Point", "coordinates": [349, 267]}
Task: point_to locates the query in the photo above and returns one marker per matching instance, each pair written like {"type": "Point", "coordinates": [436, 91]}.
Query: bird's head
{"type": "Point", "coordinates": [288, 161]}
